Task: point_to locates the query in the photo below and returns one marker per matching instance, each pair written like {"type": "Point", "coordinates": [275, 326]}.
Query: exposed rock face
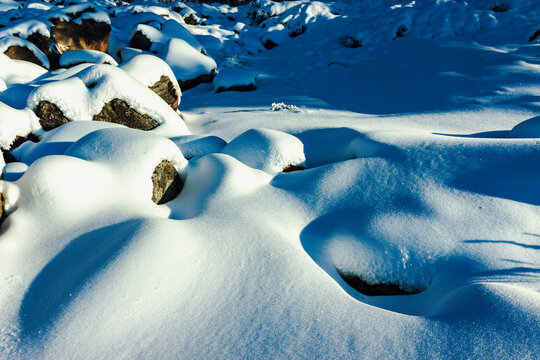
{"type": "Point", "coordinates": [189, 84]}
{"type": "Point", "coordinates": [22, 53]}
{"type": "Point", "coordinates": [166, 183]}
{"type": "Point", "coordinates": [50, 116]}
{"type": "Point", "coordinates": [119, 112]}
{"type": "Point", "coordinates": [381, 289]}
{"type": "Point", "coordinates": [140, 41]}
{"type": "Point", "coordinates": [165, 89]}
{"type": "Point", "coordinates": [90, 35]}
{"type": "Point", "coordinates": [192, 19]}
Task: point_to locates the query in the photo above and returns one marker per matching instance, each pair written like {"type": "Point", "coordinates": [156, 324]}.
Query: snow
{"type": "Point", "coordinates": [414, 128]}
{"type": "Point", "coordinates": [14, 122]}
{"type": "Point", "coordinates": [267, 150]}
{"type": "Point", "coordinates": [149, 69]}
{"type": "Point", "coordinates": [75, 57]}
{"type": "Point", "coordinates": [185, 61]}
{"type": "Point", "coordinates": [234, 77]}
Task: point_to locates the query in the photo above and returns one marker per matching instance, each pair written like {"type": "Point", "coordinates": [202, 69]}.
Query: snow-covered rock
{"type": "Point", "coordinates": [190, 67]}
{"type": "Point", "coordinates": [20, 49]}
{"type": "Point", "coordinates": [268, 150]}
{"type": "Point", "coordinates": [234, 79]}
{"type": "Point", "coordinates": [75, 57]}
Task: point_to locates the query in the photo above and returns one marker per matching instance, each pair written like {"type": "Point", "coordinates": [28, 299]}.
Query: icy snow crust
{"type": "Point", "coordinates": [420, 156]}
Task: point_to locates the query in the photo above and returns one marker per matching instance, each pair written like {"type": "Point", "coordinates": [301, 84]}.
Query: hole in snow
{"type": "Point", "coordinates": [375, 289]}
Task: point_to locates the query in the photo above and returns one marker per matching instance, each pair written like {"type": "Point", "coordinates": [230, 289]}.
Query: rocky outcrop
{"type": "Point", "coordinates": [88, 34]}
{"type": "Point", "coordinates": [164, 87]}
{"type": "Point", "coordinates": [119, 112]}
{"type": "Point", "coordinates": [22, 53]}
{"type": "Point", "coordinates": [166, 183]}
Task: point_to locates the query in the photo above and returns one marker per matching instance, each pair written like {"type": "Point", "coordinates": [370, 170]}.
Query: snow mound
{"type": "Point", "coordinates": [149, 69]}
{"type": "Point", "coordinates": [187, 63]}
{"type": "Point", "coordinates": [75, 57]}
{"type": "Point", "coordinates": [527, 129]}
{"type": "Point", "coordinates": [15, 123]}
{"type": "Point", "coordinates": [268, 150]}
{"type": "Point", "coordinates": [234, 79]}
{"type": "Point", "coordinates": [18, 71]}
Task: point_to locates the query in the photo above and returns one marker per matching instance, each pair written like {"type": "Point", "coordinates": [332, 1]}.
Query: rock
{"type": "Point", "coordinates": [166, 183]}
{"type": "Point", "coordinates": [50, 116]}
{"type": "Point", "coordinates": [89, 34]}
{"type": "Point", "coordinates": [535, 35]}
{"type": "Point", "coordinates": [42, 42]}
{"type": "Point", "coordinates": [382, 289]}
{"type": "Point", "coordinates": [119, 112]}
{"type": "Point", "coordinates": [2, 212]}
{"type": "Point", "coordinates": [269, 44]}
{"type": "Point", "coordinates": [22, 53]}
{"type": "Point", "coordinates": [189, 84]}
{"type": "Point", "coordinates": [351, 42]}
{"type": "Point", "coordinates": [164, 87]}
{"type": "Point", "coordinates": [192, 19]}
{"type": "Point", "coordinates": [291, 168]}
{"type": "Point", "coordinates": [140, 41]}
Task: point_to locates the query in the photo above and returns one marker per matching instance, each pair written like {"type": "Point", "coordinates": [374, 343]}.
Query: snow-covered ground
{"type": "Point", "coordinates": [360, 180]}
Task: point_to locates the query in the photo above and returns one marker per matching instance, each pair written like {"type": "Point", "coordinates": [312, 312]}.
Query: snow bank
{"type": "Point", "coordinates": [18, 71]}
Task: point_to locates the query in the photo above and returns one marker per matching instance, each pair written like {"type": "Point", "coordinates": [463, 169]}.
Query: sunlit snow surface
{"type": "Point", "coordinates": [420, 169]}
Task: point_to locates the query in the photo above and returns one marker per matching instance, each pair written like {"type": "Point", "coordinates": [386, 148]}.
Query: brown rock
{"type": "Point", "coordinates": [165, 89]}
{"type": "Point", "coordinates": [192, 19]}
{"type": "Point", "coordinates": [119, 112]}
{"type": "Point", "coordinates": [50, 116]}
{"type": "Point", "coordinates": [166, 181]}
{"type": "Point", "coordinates": [90, 35]}
{"type": "Point", "coordinates": [22, 53]}
{"type": "Point", "coordinates": [189, 84]}
{"type": "Point", "coordinates": [140, 41]}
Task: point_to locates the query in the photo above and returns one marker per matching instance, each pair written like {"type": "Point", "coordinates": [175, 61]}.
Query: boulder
{"type": "Point", "coordinates": [22, 53]}
{"type": "Point", "coordinates": [164, 87]}
{"type": "Point", "coordinates": [86, 34]}
{"type": "Point", "coordinates": [140, 41]}
{"type": "Point", "coordinates": [50, 116]}
{"type": "Point", "coordinates": [119, 112]}
{"type": "Point", "coordinates": [166, 183]}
